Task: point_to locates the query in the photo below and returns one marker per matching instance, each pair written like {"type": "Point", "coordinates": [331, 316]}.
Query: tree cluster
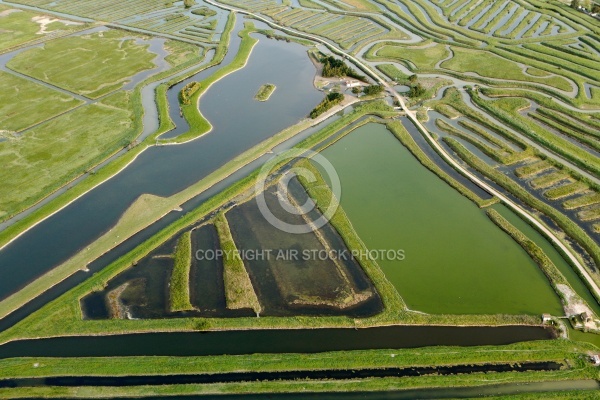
{"type": "Point", "coordinates": [188, 91]}
{"type": "Point", "coordinates": [328, 102]}
{"type": "Point", "coordinates": [372, 89]}
{"type": "Point", "coordinates": [334, 67]}
{"type": "Point", "coordinates": [416, 91]}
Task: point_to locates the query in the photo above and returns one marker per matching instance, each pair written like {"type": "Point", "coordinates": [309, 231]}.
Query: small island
{"type": "Point", "coordinates": [265, 92]}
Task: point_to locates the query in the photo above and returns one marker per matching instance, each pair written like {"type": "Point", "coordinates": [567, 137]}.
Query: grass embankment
{"type": "Point", "coordinates": [587, 200]}
{"type": "Point", "coordinates": [73, 63]}
{"type": "Point", "coordinates": [532, 169]}
{"type": "Point", "coordinates": [566, 224]}
{"type": "Point", "coordinates": [400, 132]}
{"type": "Point", "coordinates": [565, 190]}
{"type": "Point", "coordinates": [557, 351]}
{"type": "Point", "coordinates": [239, 291]}
{"type": "Point", "coordinates": [180, 277]}
{"type": "Point", "coordinates": [264, 92]}
{"type": "Point", "coordinates": [422, 57]}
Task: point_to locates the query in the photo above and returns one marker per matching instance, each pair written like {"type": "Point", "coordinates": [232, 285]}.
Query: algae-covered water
{"type": "Point", "coordinates": [456, 260]}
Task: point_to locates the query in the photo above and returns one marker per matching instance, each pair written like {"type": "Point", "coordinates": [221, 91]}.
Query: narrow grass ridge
{"type": "Point", "coordinates": [239, 291]}
{"type": "Point", "coordinates": [180, 277]}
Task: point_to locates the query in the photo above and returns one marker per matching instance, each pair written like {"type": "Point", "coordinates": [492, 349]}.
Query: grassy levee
{"type": "Point", "coordinates": [556, 350]}
{"type": "Point", "coordinates": [439, 24]}
{"type": "Point", "coordinates": [506, 110]}
{"type": "Point", "coordinates": [179, 287]}
{"type": "Point", "coordinates": [580, 127]}
{"type": "Point", "coordinates": [589, 121]}
{"type": "Point", "coordinates": [582, 201]}
{"type": "Point", "coordinates": [592, 142]}
{"type": "Point", "coordinates": [400, 132]}
{"type": "Point", "coordinates": [565, 190]}
{"type": "Point", "coordinates": [146, 208]}
{"type": "Point", "coordinates": [239, 292]}
{"type": "Point", "coordinates": [569, 227]}
{"type": "Point", "coordinates": [325, 386]}
{"type": "Point", "coordinates": [548, 180]}
{"type": "Point", "coordinates": [422, 58]}
{"type": "Point", "coordinates": [589, 215]}
{"type": "Point", "coordinates": [566, 13]}
{"type": "Point", "coordinates": [264, 92]}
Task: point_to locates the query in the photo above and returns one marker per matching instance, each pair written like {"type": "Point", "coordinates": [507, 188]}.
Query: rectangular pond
{"type": "Point", "coordinates": [456, 260]}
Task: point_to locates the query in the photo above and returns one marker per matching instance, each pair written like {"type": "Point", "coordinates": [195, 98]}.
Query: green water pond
{"type": "Point", "coordinates": [456, 260]}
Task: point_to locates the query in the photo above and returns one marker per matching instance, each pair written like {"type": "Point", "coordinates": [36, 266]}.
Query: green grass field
{"type": "Point", "coordinates": [43, 158]}
{"type": "Point", "coordinates": [91, 65]}
{"type": "Point", "coordinates": [491, 66]}
{"type": "Point", "coordinates": [19, 28]}
{"type": "Point", "coordinates": [423, 57]}
{"type": "Point", "coordinates": [24, 103]}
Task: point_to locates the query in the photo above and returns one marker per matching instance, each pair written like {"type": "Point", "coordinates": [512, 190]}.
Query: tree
{"type": "Point", "coordinates": [356, 90]}
{"type": "Point", "coordinates": [596, 9]}
{"type": "Point", "coordinates": [189, 3]}
{"type": "Point", "coordinates": [413, 78]}
{"type": "Point", "coordinates": [575, 3]}
{"type": "Point", "coordinates": [416, 91]}
{"type": "Point", "coordinates": [372, 89]}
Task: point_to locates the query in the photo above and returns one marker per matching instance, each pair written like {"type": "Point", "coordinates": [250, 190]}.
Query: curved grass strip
{"type": "Point", "coordinates": [239, 291]}
{"type": "Point", "coordinates": [180, 277]}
